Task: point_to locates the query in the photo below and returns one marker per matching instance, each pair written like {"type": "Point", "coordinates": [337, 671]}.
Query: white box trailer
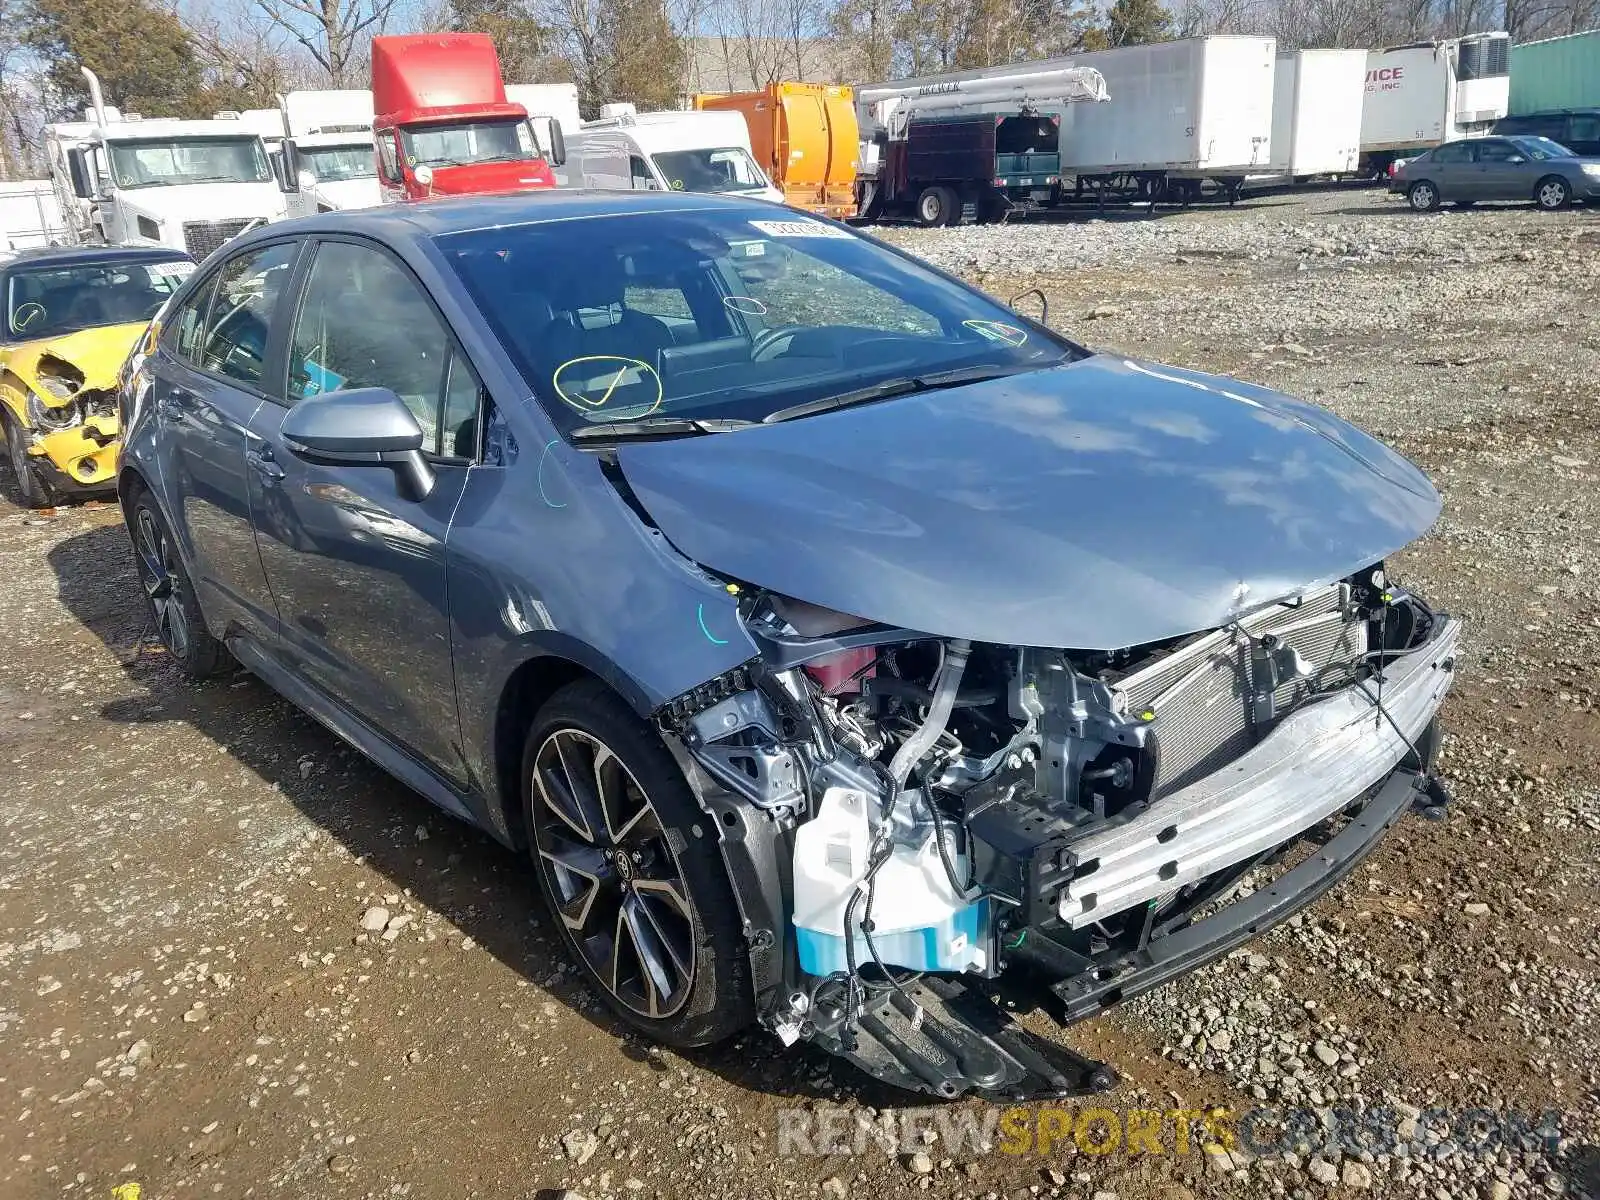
{"type": "Point", "coordinates": [1189, 110]}
{"type": "Point", "coordinates": [30, 215]}
{"type": "Point", "coordinates": [1317, 98]}
{"type": "Point", "coordinates": [1430, 92]}
{"type": "Point", "coordinates": [557, 100]}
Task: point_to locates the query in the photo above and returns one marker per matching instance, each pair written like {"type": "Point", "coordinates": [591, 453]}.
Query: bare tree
{"type": "Point", "coordinates": [333, 32]}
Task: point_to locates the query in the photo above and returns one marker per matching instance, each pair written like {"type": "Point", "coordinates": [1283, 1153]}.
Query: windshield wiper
{"type": "Point", "coordinates": [657, 427]}
{"type": "Point", "coordinates": [901, 385]}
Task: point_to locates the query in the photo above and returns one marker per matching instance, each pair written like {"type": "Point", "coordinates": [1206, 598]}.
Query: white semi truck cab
{"type": "Point", "coordinates": [190, 185]}
{"type": "Point", "coordinates": [327, 159]}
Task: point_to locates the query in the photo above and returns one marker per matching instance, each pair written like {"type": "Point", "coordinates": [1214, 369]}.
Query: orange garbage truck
{"type": "Point", "coordinates": [805, 137]}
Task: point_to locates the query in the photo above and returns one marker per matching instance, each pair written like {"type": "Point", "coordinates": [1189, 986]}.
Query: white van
{"type": "Point", "coordinates": [676, 151]}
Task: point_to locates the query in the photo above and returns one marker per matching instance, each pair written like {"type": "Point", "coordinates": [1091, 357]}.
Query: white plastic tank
{"type": "Point", "coordinates": [919, 920]}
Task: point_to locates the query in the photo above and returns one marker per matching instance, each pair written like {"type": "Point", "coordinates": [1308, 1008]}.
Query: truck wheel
{"type": "Point", "coordinates": [1423, 196]}
{"type": "Point", "coordinates": [35, 488]}
{"type": "Point", "coordinates": [632, 870]}
{"type": "Point", "coordinates": [1552, 193]}
{"type": "Point", "coordinates": [937, 206]}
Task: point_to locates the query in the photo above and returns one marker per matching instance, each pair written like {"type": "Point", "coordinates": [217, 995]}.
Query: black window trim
{"type": "Point", "coordinates": [274, 361]}
{"type": "Point", "coordinates": [456, 349]}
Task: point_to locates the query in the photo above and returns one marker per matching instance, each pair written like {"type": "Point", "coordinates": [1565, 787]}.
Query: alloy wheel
{"type": "Point", "coordinates": [615, 881]}
{"type": "Point", "coordinates": [1422, 197]}
{"type": "Point", "coordinates": [1552, 194]}
{"type": "Point", "coordinates": [162, 577]}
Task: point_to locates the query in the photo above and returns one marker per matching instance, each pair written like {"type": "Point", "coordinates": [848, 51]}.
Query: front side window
{"type": "Point", "coordinates": [365, 322]}
{"type": "Point", "coordinates": [159, 162]}
{"type": "Point", "coordinates": [189, 322]}
{"type": "Point", "coordinates": [1584, 127]}
{"type": "Point", "coordinates": [725, 314]}
{"type": "Point", "coordinates": [239, 326]}
{"type": "Point", "coordinates": [1493, 150]}
{"type": "Point", "coordinates": [48, 302]}
{"type": "Point", "coordinates": [643, 181]}
{"type": "Point", "coordinates": [466, 142]}
{"type": "Point", "coordinates": [333, 164]}
{"type": "Point", "coordinates": [728, 169]}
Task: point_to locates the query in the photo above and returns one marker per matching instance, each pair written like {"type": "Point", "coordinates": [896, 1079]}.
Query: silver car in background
{"type": "Point", "coordinates": [1498, 168]}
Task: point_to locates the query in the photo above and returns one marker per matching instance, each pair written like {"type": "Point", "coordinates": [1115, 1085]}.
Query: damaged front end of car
{"type": "Point", "coordinates": [914, 823]}
{"type": "Point", "coordinates": [63, 394]}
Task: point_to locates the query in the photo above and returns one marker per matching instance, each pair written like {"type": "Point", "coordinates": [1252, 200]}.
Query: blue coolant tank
{"type": "Point", "coordinates": [919, 920]}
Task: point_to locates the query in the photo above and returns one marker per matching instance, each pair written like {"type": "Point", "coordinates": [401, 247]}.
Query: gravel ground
{"type": "Point", "coordinates": [236, 960]}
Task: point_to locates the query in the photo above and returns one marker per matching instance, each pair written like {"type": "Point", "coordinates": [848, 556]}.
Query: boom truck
{"type": "Point", "coordinates": [940, 152]}
{"type": "Point", "coordinates": [188, 185]}
{"type": "Point", "coordinates": [443, 124]}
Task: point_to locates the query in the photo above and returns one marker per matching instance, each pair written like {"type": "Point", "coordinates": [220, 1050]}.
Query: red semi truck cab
{"type": "Point", "coordinates": [443, 126]}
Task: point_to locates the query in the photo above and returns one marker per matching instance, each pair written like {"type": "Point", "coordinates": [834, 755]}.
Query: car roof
{"type": "Point", "coordinates": [67, 256]}
{"type": "Point", "coordinates": [435, 218]}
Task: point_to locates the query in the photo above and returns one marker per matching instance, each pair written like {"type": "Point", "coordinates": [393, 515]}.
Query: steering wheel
{"type": "Point", "coordinates": [767, 339]}
{"type": "Point", "coordinates": [34, 311]}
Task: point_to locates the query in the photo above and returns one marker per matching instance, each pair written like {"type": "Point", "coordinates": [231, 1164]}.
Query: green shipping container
{"type": "Point", "coordinates": [1561, 72]}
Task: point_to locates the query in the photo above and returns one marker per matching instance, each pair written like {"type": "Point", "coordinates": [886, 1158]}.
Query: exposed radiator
{"type": "Point", "coordinates": [200, 238]}
{"type": "Point", "coordinates": [1202, 692]}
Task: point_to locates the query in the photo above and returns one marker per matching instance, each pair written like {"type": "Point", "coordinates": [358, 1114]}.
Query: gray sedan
{"type": "Point", "coordinates": [1498, 168]}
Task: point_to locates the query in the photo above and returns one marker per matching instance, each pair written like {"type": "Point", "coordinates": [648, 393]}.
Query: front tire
{"type": "Point", "coordinates": [171, 599]}
{"type": "Point", "coordinates": [1423, 196]}
{"type": "Point", "coordinates": [1552, 193]}
{"type": "Point", "coordinates": [630, 866]}
{"type": "Point", "coordinates": [31, 482]}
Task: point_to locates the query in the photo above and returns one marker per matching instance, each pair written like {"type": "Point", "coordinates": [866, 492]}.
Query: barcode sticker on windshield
{"type": "Point", "coordinates": [799, 229]}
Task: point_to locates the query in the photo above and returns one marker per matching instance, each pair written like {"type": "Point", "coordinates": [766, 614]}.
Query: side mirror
{"type": "Point", "coordinates": [361, 427]}
{"type": "Point", "coordinates": [304, 179]}
{"type": "Point", "coordinates": [548, 137]}
{"type": "Point", "coordinates": [82, 176]}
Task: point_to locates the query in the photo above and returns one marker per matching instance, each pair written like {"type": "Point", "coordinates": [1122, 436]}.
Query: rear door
{"type": "Point", "coordinates": [357, 566]}
{"type": "Point", "coordinates": [207, 382]}
{"type": "Point", "coordinates": [1451, 167]}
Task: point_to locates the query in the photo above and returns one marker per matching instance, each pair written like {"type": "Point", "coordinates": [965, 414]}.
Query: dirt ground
{"type": "Point", "coordinates": [189, 1001]}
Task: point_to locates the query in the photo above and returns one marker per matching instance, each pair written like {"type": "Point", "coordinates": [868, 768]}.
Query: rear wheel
{"type": "Point", "coordinates": [1552, 193]}
{"type": "Point", "coordinates": [630, 866]}
{"type": "Point", "coordinates": [31, 482]}
{"type": "Point", "coordinates": [173, 605]}
{"type": "Point", "coordinates": [937, 206]}
{"type": "Point", "coordinates": [1423, 196]}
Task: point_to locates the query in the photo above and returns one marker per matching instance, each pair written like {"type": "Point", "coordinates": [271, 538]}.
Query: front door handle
{"type": "Point", "coordinates": [263, 463]}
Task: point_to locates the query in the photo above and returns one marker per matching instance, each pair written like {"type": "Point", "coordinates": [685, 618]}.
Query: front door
{"type": "Point", "coordinates": [1503, 171]}
{"type": "Point", "coordinates": [355, 562]}
{"type": "Point", "coordinates": [206, 385]}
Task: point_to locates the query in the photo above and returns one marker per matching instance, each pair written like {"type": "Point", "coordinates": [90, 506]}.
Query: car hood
{"type": "Point", "coordinates": [98, 353]}
{"type": "Point", "coordinates": [1101, 504]}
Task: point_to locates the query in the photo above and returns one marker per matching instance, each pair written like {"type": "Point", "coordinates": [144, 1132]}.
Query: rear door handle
{"type": "Point", "coordinates": [263, 463]}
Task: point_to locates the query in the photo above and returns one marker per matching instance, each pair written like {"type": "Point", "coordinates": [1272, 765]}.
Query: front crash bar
{"type": "Point", "coordinates": [1320, 759]}
{"type": "Point", "coordinates": [1113, 980]}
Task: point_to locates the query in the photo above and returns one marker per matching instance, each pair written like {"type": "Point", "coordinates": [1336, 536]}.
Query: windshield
{"type": "Point", "coordinates": [51, 302]}
{"type": "Point", "coordinates": [1541, 149]}
{"type": "Point", "coordinates": [162, 161]}
{"type": "Point", "coordinates": [730, 313]}
{"type": "Point", "coordinates": [722, 169]}
{"type": "Point", "coordinates": [469, 142]}
{"type": "Point", "coordinates": [331, 164]}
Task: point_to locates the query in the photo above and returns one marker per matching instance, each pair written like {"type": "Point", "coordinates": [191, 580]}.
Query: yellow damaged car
{"type": "Point", "coordinates": [71, 316]}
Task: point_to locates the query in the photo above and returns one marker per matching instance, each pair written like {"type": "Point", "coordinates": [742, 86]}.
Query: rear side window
{"type": "Point", "coordinates": [1584, 128]}
{"type": "Point", "coordinates": [1455, 152]}
{"type": "Point", "coordinates": [238, 327]}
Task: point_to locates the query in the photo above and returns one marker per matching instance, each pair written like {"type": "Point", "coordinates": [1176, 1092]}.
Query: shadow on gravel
{"type": "Point", "coordinates": [1580, 1167]}
{"type": "Point", "coordinates": [486, 891]}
